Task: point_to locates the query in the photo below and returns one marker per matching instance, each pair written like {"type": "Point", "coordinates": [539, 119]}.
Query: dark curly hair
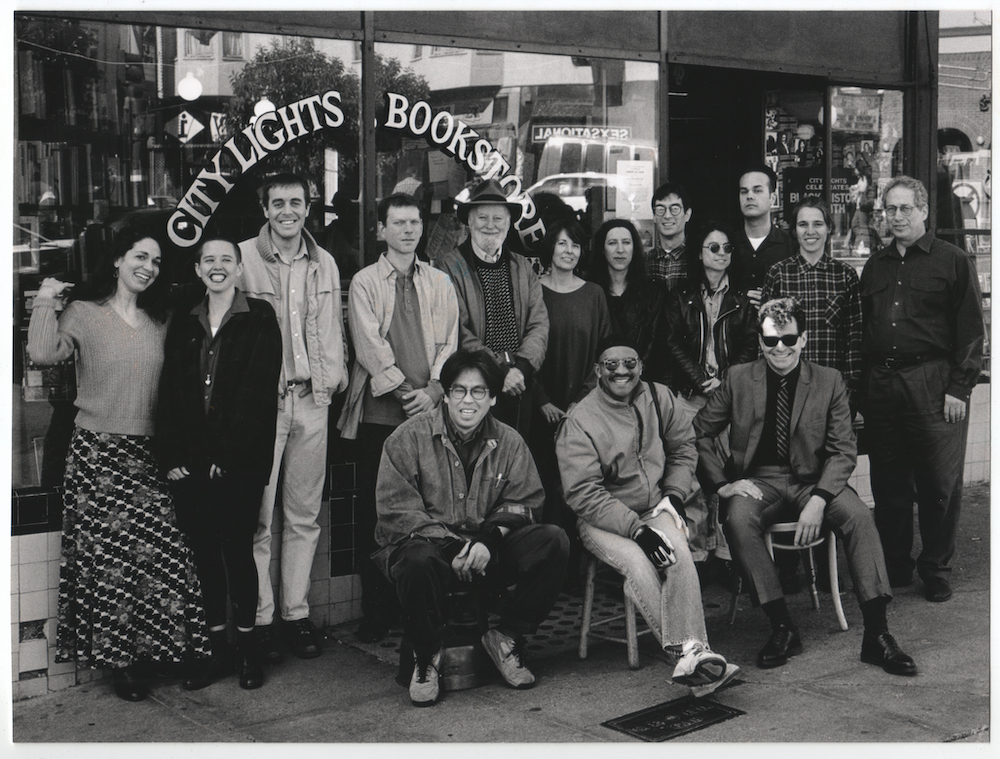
{"type": "Point", "coordinates": [597, 269]}
{"type": "Point", "coordinates": [103, 282]}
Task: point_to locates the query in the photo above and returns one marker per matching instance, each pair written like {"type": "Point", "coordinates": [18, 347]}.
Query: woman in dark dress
{"type": "Point", "coordinates": [578, 319]}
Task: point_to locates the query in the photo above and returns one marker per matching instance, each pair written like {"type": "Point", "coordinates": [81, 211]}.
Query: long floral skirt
{"type": "Point", "coordinates": [128, 591]}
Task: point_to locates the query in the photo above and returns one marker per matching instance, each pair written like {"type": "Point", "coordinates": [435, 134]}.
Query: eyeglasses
{"type": "Point", "coordinates": [458, 393]}
{"type": "Point", "coordinates": [676, 209]}
{"type": "Point", "coordinates": [771, 340]}
{"type": "Point", "coordinates": [612, 363]}
{"type": "Point", "coordinates": [728, 247]}
{"type": "Point", "coordinates": [903, 211]}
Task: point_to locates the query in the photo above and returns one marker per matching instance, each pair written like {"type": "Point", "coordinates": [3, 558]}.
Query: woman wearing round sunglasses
{"type": "Point", "coordinates": [618, 265]}
{"type": "Point", "coordinates": [828, 290]}
{"type": "Point", "coordinates": [707, 325]}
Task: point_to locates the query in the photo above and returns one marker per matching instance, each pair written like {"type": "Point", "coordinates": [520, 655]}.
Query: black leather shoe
{"type": "Point", "coordinates": [202, 671]}
{"type": "Point", "coordinates": [784, 642]}
{"type": "Point", "coordinates": [249, 661]}
{"type": "Point", "coordinates": [303, 638]}
{"type": "Point", "coordinates": [937, 589]}
{"type": "Point", "coordinates": [883, 650]}
{"type": "Point", "coordinates": [128, 685]}
{"type": "Point", "coordinates": [267, 642]}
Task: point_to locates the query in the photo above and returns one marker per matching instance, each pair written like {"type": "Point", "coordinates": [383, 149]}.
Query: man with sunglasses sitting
{"type": "Point", "coordinates": [457, 497]}
{"type": "Point", "coordinates": [626, 457]}
{"type": "Point", "coordinates": [792, 451]}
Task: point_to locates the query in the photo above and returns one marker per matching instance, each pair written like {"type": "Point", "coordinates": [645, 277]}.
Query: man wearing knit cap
{"type": "Point", "coordinates": [627, 457]}
{"type": "Point", "coordinates": [499, 299]}
{"type": "Point", "coordinates": [284, 266]}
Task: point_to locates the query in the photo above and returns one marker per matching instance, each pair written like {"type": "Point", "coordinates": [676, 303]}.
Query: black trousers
{"type": "Point", "coordinates": [378, 597]}
{"type": "Point", "coordinates": [219, 517]}
{"type": "Point", "coordinates": [531, 558]}
{"type": "Point", "coordinates": [915, 456]}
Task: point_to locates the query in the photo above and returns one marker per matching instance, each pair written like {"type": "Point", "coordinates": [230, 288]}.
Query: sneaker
{"type": "Point", "coordinates": [698, 665]}
{"type": "Point", "coordinates": [507, 654]}
{"type": "Point", "coordinates": [424, 685]}
{"type": "Point", "coordinates": [698, 691]}
{"type": "Point", "coordinates": [302, 637]}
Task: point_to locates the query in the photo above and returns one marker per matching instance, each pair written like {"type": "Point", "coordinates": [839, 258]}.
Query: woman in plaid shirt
{"type": "Point", "coordinates": [829, 291]}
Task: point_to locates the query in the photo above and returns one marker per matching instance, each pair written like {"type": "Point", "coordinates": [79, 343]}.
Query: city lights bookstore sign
{"type": "Point", "coordinates": [270, 132]}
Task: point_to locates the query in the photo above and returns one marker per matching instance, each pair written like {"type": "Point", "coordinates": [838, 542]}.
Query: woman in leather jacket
{"type": "Point", "coordinates": [707, 325]}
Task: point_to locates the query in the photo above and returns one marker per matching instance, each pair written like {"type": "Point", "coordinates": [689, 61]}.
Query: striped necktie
{"type": "Point", "coordinates": [781, 417]}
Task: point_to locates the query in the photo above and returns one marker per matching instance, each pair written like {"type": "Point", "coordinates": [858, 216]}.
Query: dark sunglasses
{"type": "Point", "coordinates": [612, 363]}
{"type": "Point", "coordinates": [715, 247]}
{"type": "Point", "coordinates": [771, 340]}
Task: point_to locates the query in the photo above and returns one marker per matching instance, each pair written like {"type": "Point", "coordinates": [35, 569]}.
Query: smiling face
{"type": "Point", "coordinates": [565, 253]}
{"type": "Point", "coordinates": [218, 266]}
{"type": "Point", "coordinates": [720, 261]}
{"type": "Point", "coordinates": [781, 358]}
{"type": "Point", "coordinates": [618, 248]}
{"type": "Point", "coordinates": [286, 210]}
{"type": "Point", "coordinates": [812, 231]}
{"type": "Point", "coordinates": [755, 194]}
{"type": "Point", "coordinates": [402, 229]}
{"type": "Point", "coordinates": [140, 266]}
{"type": "Point", "coordinates": [621, 382]}
{"type": "Point", "coordinates": [488, 226]}
{"type": "Point", "coordinates": [467, 413]}
{"type": "Point", "coordinates": [906, 229]}
{"type": "Point", "coordinates": [669, 225]}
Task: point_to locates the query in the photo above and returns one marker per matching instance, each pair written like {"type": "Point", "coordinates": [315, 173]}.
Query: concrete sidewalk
{"type": "Point", "coordinates": [824, 695]}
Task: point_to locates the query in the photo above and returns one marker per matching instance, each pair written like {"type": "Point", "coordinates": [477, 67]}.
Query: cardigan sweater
{"type": "Point", "coordinates": [118, 366]}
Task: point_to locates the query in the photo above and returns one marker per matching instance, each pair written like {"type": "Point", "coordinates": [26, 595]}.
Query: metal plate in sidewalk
{"type": "Point", "coordinates": [673, 718]}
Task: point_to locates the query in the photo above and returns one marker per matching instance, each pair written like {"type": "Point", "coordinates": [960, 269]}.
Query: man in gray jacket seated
{"type": "Point", "coordinates": [626, 458]}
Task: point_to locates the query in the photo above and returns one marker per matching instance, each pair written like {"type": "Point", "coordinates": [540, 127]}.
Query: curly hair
{"type": "Point", "coordinates": [103, 282]}
{"type": "Point", "coordinates": [781, 311]}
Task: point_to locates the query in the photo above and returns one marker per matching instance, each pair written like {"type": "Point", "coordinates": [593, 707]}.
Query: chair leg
{"type": "Point", "coordinates": [811, 563]}
{"type": "Point", "coordinates": [831, 556]}
{"type": "Point", "coordinates": [737, 589]}
{"type": "Point", "coordinates": [631, 633]}
{"type": "Point", "coordinates": [588, 605]}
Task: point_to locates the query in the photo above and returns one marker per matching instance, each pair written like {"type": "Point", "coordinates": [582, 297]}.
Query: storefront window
{"type": "Point", "coordinates": [576, 135]}
{"type": "Point", "coordinates": [965, 139]}
{"type": "Point", "coordinates": [121, 121]}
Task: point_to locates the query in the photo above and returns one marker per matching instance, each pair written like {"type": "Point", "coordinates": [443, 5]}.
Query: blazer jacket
{"type": "Point", "coordinates": [822, 446]}
{"type": "Point", "coordinates": [237, 433]}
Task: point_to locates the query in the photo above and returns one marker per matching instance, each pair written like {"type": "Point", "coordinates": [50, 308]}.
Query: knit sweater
{"type": "Point", "coordinates": [118, 366]}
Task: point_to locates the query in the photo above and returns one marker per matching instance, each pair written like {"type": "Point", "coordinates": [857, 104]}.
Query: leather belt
{"type": "Point", "coordinates": [892, 363]}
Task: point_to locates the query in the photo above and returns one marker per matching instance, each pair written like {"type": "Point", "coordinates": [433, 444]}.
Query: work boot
{"type": "Point", "coordinates": [248, 660]}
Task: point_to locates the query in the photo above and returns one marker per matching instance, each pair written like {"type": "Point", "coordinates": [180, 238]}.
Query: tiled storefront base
{"type": "Point", "coordinates": [335, 595]}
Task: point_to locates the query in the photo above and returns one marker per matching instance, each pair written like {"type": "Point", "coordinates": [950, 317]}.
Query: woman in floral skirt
{"type": "Point", "coordinates": [128, 593]}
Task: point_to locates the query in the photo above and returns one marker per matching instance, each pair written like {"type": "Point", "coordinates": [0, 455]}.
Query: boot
{"type": "Point", "coordinates": [203, 671]}
{"type": "Point", "coordinates": [248, 661]}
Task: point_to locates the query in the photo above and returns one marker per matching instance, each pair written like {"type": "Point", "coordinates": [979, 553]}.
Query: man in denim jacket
{"type": "Point", "coordinates": [457, 495]}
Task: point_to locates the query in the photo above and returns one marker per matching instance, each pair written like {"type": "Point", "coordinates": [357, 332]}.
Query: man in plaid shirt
{"type": "Point", "coordinates": [666, 261]}
{"type": "Point", "coordinates": [829, 292]}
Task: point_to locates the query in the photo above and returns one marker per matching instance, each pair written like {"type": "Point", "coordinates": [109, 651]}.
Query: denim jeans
{"type": "Point", "coordinates": [300, 458]}
{"type": "Point", "coordinates": [671, 606]}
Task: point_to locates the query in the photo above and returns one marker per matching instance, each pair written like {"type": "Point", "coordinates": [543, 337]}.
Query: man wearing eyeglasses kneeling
{"type": "Point", "coordinates": [626, 457]}
{"type": "Point", "coordinates": [457, 497]}
{"type": "Point", "coordinates": [793, 449]}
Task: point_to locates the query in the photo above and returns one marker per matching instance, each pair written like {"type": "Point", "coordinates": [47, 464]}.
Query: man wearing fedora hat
{"type": "Point", "coordinates": [499, 299]}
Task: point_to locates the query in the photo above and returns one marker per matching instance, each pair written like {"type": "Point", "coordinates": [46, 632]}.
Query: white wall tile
{"type": "Point", "coordinates": [61, 682]}
{"type": "Point", "coordinates": [33, 576]}
{"type": "Point", "coordinates": [37, 686]}
{"type": "Point", "coordinates": [33, 655]}
{"type": "Point", "coordinates": [15, 544]}
{"type": "Point", "coordinates": [34, 606]}
{"type": "Point", "coordinates": [34, 548]}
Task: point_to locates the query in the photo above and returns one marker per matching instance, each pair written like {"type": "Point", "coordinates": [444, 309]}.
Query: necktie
{"type": "Point", "coordinates": [781, 418]}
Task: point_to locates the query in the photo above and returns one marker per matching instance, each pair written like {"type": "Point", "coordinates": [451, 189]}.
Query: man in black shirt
{"type": "Point", "coordinates": [922, 348]}
{"type": "Point", "coordinates": [762, 243]}
{"type": "Point", "coordinates": [793, 449]}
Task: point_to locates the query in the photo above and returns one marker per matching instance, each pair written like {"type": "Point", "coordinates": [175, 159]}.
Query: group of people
{"type": "Point", "coordinates": [621, 404]}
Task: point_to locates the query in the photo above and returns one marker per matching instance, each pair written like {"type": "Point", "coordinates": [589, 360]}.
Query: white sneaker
{"type": "Point", "coordinates": [698, 665]}
{"type": "Point", "coordinates": [424, 684]}
{"type": "Point", "coordinates": [703, 690]}
{"type": "Point", "coordinates": [506, 654]}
